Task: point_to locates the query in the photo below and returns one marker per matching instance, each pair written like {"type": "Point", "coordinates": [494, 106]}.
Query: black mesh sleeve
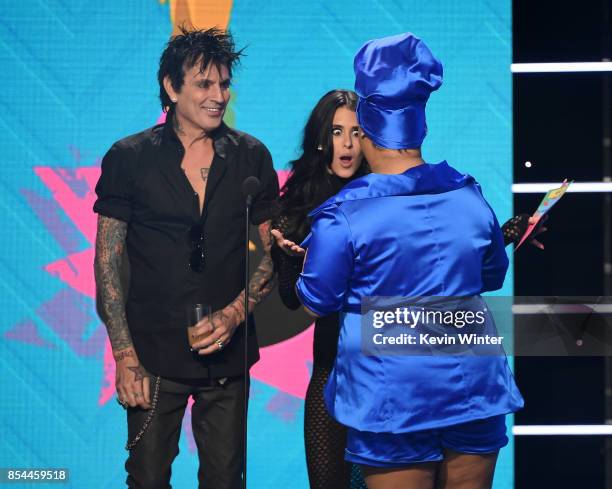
{"type": "Point", "coordinates": [288, 268]}
{"type": "Point", "coordinates": [513, 229]}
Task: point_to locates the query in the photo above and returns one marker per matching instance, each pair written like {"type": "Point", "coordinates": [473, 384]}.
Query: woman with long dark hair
{"type": "Point", "coordinates": [331, 157]}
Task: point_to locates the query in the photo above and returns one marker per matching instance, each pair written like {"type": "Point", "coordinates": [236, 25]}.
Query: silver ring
{"type": "Point", "coordinates": [219, 344]}
{"type": "Point", "coordinates": [123, 404]}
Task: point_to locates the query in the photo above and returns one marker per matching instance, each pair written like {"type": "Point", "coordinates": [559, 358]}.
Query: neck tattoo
{"type": "Point", "coordinates": [177, 127]}
{"type": "Point", "coordinates": [204, 173]}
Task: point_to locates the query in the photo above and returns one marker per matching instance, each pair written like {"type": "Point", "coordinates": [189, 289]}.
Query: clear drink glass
{"type": "Point", "coordinates": [195, 313]}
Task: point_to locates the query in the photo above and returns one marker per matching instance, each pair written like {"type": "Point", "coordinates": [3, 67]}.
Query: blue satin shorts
{"type": "Point", "coordinates": [396, 450]}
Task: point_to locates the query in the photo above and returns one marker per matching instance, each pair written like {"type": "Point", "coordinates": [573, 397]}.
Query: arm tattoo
{"type": "Point", "coordinates": [237, 306]}
{"type": "Point", "coordinates": [124, 354]}
{"type": "Point", "coordinates": [265, 236]}
{"type": "Point", "coordinates": [262, 281]}
{"type": "Point", "coordinates": [110, 241]}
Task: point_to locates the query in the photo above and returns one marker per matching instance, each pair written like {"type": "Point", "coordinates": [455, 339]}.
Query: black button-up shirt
{"type": "Point", "coordinates": [142, 183]}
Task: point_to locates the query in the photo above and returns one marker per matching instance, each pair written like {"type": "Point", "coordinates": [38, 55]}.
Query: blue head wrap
{"type": "Point", "coordinates": [394, 77]}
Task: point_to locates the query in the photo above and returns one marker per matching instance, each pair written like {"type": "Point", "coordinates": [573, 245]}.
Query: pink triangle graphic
{"type": "Point", "coordinates": [77, 271]}
{"type": "Point", "coordinates": [285, 365]}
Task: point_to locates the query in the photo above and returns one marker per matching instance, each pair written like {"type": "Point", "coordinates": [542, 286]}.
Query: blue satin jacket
{"type": "Point", "coordinates": [425, 232]}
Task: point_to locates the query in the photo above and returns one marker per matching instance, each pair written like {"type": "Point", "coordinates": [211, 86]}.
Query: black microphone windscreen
{"type": "Point", "coordinates": [250, 186]}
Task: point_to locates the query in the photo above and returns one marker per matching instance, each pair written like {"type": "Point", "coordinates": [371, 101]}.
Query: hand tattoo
{"type": "Point", "coordinates": [139, 372]}
{"type": "Point", "coordinates": [110, 242]}
{"type": "Point", "coordinates": [219, 318]}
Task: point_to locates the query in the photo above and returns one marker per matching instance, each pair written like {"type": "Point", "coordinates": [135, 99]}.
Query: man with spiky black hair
{"type": "Point", "coordinates": [170, 196]}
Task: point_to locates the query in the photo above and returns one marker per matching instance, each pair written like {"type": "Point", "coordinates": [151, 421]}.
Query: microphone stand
{"type": "Point", "coordinates": [250, 187]}
{"type": "Point", "coordinates": [247, 280]}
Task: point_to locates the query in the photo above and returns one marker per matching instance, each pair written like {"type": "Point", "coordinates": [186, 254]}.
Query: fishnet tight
{"type": "Point", "coordinates": [325, 442]}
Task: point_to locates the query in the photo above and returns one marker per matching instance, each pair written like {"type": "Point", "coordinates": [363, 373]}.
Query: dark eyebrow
{"type": "Point", "coordinates": [208, 80]}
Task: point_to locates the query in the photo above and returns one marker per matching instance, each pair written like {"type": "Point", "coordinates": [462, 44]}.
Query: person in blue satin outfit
{"type": "Point", "coordinates": [408, 229]}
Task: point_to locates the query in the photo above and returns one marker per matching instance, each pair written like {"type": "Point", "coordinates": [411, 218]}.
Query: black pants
{"type": "Point", "coordinates": [217, 422]}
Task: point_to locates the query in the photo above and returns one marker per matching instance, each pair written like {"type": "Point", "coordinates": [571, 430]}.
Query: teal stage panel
{"type": "Point", "coordinates": [78, 76]}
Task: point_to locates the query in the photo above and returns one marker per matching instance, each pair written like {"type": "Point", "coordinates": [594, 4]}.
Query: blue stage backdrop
{"type": "Point", "coordinates": [80, 75]}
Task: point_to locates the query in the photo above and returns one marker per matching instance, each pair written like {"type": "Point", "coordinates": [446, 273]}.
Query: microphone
{"type": "Point", "coordinates": [250, 188]}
